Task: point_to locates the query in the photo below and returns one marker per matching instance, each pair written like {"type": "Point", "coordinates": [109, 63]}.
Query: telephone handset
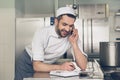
{"type": "Point", "coordinates": [72, 31]}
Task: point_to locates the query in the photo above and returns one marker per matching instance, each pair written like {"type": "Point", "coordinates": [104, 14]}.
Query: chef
{"type": "Point", "coordinates": [50, 43]}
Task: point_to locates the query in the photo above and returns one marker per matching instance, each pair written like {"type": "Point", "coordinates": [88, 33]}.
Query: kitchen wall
{"type": "Point", "coordinates": [20, 8]}
{"type": "Point", "coordinates": [44, 8]}
{"type": "Point", "coordinates": [7, 39]}
{"type": "Point", "coordinates": [38, 8]}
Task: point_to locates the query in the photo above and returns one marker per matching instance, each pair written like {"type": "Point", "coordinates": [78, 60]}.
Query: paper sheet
{"type": "Point", "coordinates": [64, 73]}
{"type": "Point", "coordinates": [75, 72]}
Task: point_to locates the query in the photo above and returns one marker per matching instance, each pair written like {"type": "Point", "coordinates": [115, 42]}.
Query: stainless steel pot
{"type": "Point", "coordinates": [110, 53]}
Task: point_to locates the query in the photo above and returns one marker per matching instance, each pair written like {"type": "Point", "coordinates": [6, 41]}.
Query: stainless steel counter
{"type": "Point", "coordinates": [93, 69]}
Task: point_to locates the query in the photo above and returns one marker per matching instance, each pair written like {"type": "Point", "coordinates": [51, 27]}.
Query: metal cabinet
{"type": "Point", "coordinates": [93, 11]}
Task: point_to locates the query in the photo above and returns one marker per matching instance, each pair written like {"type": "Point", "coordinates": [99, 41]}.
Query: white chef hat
{"type": "Point", "coordinates": [65, 10]}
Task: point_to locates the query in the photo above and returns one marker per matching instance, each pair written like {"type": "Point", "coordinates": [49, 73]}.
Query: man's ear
{"type": "Point", "coordinates": [56, 22]}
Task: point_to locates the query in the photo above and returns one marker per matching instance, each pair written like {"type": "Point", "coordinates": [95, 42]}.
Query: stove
{"type": "Point", "coordinates": [110, 72]}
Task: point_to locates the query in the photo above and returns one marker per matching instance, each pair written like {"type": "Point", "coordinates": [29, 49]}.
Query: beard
{"type": "Point", "coordinates": [65, 33]}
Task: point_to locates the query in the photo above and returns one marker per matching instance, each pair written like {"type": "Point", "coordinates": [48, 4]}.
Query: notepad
{"type": "Point", "coordinates": [66, 73]}
{"type": "Point", "coordinates": [63, 73]}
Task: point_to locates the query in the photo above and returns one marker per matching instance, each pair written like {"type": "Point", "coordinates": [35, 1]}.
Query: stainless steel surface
{"type": "Point", "coordinates": [93, 74]}
{"type": "Point", "coordinates": [115, 75]}
{"type": "Point", "coordinates": [88, 11]}
{"type": "Point", "coordinates": [109, 72]}
{"type": "Point", "coordinates": [91, 33]}
{"type": "Point", "coordinates": [117, 22]}
{"type": "Point", "coordinates": [93, 27]}
{"type": "Point", "coordinates": [109, 53]}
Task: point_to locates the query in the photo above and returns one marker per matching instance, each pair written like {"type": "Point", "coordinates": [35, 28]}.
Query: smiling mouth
{"type": "Point", "coordinates": [64, 33]}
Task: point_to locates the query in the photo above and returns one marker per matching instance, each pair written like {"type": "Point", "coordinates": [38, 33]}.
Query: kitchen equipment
{"type": "Point", "coordinates": [115, 75]}
{"type": "Point", "coordinates": [110, 53]}
{"type": "Point", "coordinates": [88, 30]}
{"type": "Point", "coordinates": [93, 27]}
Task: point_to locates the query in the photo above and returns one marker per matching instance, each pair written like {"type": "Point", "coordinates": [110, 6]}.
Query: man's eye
{"type": "Point", "coordinates": [71, 26]}
{"type": "Point", "coordinates": [64, 24]}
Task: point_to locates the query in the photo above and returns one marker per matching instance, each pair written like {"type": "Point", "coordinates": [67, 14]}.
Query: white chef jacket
{"type": "Point", "coordinates": [48, 47]}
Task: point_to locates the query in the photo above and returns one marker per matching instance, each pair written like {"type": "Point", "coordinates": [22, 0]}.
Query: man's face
{"type": "Point", "coordinates": [65, 26]}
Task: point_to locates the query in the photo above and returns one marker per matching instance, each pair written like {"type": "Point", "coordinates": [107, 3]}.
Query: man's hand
{"type": "Point", "coordinates": [74, 37]}
{"type": "Point", "coordinates": [69, 66]}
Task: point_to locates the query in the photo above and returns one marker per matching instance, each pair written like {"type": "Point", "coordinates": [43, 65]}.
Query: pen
{"type": "Point", "coordinates": [73, 66]}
